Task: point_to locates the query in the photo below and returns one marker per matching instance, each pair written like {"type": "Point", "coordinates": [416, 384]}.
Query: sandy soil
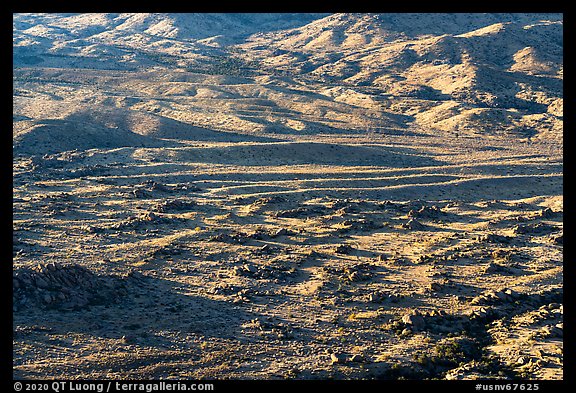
{"type": "Point", "coordinates": [415, 258]}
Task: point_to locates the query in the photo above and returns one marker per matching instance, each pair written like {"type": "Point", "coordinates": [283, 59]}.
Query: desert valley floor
{"type": "Point", "coordinates": [335, 200]}
{"type": "Point", "coordinates": [329, 257]}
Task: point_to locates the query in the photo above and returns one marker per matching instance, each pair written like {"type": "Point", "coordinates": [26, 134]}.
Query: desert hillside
{"type": "Point", "coordinates": [288, 196]}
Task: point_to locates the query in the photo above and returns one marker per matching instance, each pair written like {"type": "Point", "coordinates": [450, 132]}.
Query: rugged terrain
{"type": "Point", "coordinates": [300, 196]}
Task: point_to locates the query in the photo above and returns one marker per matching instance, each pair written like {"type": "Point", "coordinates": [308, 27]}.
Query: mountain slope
{"type": "Point", "coordinates": [135, 39]}
{"type": "Point", "coordinates": [506, 67]}
{"type": "Point", "coordinates": [477, 74]}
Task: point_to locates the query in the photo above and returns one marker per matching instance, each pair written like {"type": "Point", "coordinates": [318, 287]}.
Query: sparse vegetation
{"type": "Point", "coordinates": [367, 196]}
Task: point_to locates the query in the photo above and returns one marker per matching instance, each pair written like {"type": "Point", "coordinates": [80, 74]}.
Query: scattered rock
{"type": "Point", "coordinates": [381, 258]}
{"type": "Point", "coordinates": [356, 225]}
{"type": "Point", "coordinates": [486, 298]}
{"type": "Point", "coordinates": [557, 330]}
{"type": "Point", "coordinates": [338, 358]}
{"type": "Point", "coordinates": [151, 185]}
{"type": "Point", "coordinates": [276, 269]}
{"type": "Point", "coordinates": [469, 371]}
{"type": "Point", "coordinates": [547, 213]}
{"type": "Point", "coordinates": [258, 234]}
{"type": "Point", "coordinates": [357, 358]}
{"type": "Point", "coordinates": [503, 296]}
{"type": "Point", "coordinates": [148, 216]}
{"type": "Point", "coordinates": [268, 200]}
{"type": "Point", "coordinates": [271, 328]}
{"type": "Point", "coordinates": [265, 249]}
{"type": "Point", "coordinates": [426, 212]}
{"type": "Point", "coordinates": [310, 253]}
{"type": "Point", "coordinates": [139, 193]}
{"type": "Point", "coordinates": [498, 268]}
{"type": "Point", "coordinates": [135, 222]}
{"type": "Point", "coordinates": [299, 212]}
{"type": "Point", "coordinates": [343, 249]}
{"type": "Point", "coordinates": [494, 238]}
{"type": "Point", "coordinates": [437, 313]}
{"type": "Point", "coordinates": [60, 286]}
{"type": "Point", "coordinates": [535, 229]}
{"type": "Point", "coordinates": [512, 294]}
{"type": "Point", "coordinates": [244, 270]}
{"type": "Point", "coordinates": [281, 232]}
{"type": "Point", "coordinates": [481, 313]}
{"type": "Point", "coordinates": [415, 320]}
{"type": "Point", "coordinates": [90, 229]}
{"type": "Point", "coordinates": [552, 332]}
{"type": "Point", "coordinates": [380, 297]}
{"type": "Point", "coordinates": [129, 340]}
{"type": "Point", "coordinates": [229, 238]}
{"type": "Point", "coordinates": [413, 225]}
{"type": "Point", "coordinates": [398, 260]}
{"type": "Point", "coordinates": [174, 205]}
{"type": "Point", "coordinates": [360, 272]}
